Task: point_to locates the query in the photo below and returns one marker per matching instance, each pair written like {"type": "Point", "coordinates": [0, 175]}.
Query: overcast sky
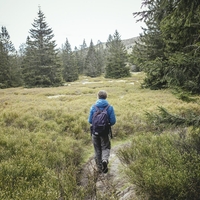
{"type": "Point", "coordinates": [75, 20]}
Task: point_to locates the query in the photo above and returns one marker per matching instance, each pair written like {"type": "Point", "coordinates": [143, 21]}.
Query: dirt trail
{"type": "Point", "coordinates": [112, 185]}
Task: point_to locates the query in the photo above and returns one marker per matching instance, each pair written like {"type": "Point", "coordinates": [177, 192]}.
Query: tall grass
{"type": "Point", "coordinates": [45, 138]}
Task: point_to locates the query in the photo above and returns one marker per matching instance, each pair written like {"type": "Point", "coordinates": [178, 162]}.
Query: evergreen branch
{"type": "Point", "coordinates": [164, 117]}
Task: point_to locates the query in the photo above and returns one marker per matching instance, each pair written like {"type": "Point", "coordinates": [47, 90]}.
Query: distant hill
{"type": "Point", "coordinates": [129, 43]}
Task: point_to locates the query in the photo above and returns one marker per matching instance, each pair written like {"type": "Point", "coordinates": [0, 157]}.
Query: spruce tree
{"type": "Point", "coordinates": [16, 76]}
{"type": "Point", "coordinates": [148, 53]}
{"type": "Point", "coordinates": [70, 71]}
{"type": "Point", "coordinates": [92, 65]}
{"type": "Point", "coordinates": [101, 55]}
{"type": "Point", "coordinates": [169, 47]}
{"type": "Point", "coordinates": [82, 56]}
{"type": "Point", "coordinates": [41, 67]}
{"type": "Point", "coordinates": [77, 59]}
{"type": "Point", "coordinates": [4, 68]}
{"type": "Point", "coordinates": [181, 36]}
{"type": "Point", "coordinates": [9, 70]}
{"type": "Point", "coordinates": [116, 58]}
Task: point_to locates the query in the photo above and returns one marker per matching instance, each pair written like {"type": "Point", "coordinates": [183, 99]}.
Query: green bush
{"type": "Point", "coordinates": [162, 167]}
{"type": "Point", "coordinates": [22, 176]}
{"type": "Point", "coordinates": [38, 166]}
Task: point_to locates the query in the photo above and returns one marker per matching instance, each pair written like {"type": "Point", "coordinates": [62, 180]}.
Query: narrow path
{"type": "Point", "coordinates": [113, 185]}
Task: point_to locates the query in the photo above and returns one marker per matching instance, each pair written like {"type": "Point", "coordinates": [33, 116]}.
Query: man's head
{"type": "Point", "coordinates": [102, 94]}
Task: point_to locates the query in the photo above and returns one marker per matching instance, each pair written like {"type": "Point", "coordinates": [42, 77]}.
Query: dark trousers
{"type": "Point", "coordinates": [102, 148]}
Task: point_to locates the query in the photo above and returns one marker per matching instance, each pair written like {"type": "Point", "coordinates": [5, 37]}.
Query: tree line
{"type": "Point", "coordinates": [38, 63]}
{"type": "Point", "coordinates": [168, 51]}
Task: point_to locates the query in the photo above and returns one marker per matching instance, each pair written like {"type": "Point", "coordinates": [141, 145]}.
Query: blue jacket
{"type": "Point", "coordinates": [101, 104]}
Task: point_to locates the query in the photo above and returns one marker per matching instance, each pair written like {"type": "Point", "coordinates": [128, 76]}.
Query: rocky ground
{"type": "Point", "coordinates": [112, 185]}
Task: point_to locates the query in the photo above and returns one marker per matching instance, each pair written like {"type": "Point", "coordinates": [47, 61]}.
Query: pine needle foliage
{"type": "Point", "coordinates": [116, 58]}
{"type": "Point", "coordinates": [4, 68]}
{"type": "Point", "coordinates": [93, 67]}
{"type": "Point", "coordinates": [41, 67]}
{"type": "Point", "coordinates": [70, 70]}
{"type": "Point", "coordinates": [9, 68]}
{"type": "Point", "coordinates": [168, 50]}
{"type": "Point", "coordinates": [81, 56]}
{"type": "Point", "coordinates": [186, 118]}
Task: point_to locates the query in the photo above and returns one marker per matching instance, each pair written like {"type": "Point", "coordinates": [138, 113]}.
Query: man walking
{"type": "Point", "coordinates": [101, 140]}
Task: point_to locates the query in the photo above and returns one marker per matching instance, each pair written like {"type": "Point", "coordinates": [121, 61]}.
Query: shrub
{"type": "Point", "coordinates": [161, 169]}
{"type": "Point", "coordinates": [38, 166]}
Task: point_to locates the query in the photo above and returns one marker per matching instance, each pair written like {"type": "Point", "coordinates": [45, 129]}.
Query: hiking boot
{"type": "Point", "coordinates": [99, 170]}
{"type": "Point", "coordinates": [104, 166]}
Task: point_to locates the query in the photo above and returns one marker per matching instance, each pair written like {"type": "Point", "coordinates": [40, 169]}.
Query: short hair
{"type": "Point", "coordinates": [102, 94]}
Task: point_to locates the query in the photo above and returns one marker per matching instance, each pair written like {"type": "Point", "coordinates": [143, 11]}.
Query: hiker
{"type": "Point", "coordinates": [101, 139]}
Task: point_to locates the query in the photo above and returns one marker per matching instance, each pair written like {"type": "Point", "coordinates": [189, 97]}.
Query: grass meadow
{"type": "Point", "coordinates": [45, 137]}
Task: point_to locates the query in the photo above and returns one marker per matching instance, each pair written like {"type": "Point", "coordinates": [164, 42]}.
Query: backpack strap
{"type": "Point", "coordinates": [97, 109]}
{"type": "Point", "coordinates": [106, 107]}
